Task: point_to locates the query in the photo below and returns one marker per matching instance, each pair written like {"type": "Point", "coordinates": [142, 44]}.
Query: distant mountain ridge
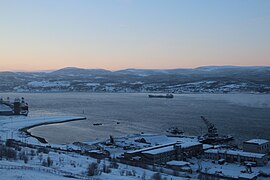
{"type": "Point", "coordinates": [206, 79]}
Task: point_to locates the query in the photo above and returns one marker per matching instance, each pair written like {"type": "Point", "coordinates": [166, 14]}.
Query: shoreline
{"type": "Point", "coordinates": [41, 139]}
{"type": "Point", "coordinates": [153, 92]}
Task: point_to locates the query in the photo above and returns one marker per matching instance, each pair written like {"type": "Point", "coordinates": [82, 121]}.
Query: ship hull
{"type": "Point", "coordinates": [217, 140]}
{"type": "Point", "coordinates": [160, 96]}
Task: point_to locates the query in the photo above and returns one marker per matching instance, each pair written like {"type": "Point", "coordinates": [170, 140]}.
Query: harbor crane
{"type": "Point", "coordinates": [212, 136]}
{"type": "Point", "coordinates": [211, 129]}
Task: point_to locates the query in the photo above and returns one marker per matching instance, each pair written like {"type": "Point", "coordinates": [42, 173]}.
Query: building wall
{"type": "Point", "coordinates": [193, 150]}
{"type": "Point", "coordinates": [159, 158]}
{"type": "Point", "coordinates": [236, 158]}
{"type": "Point", "coordinates": [177, 154]}
{"type": "Point", "coordinates": [256, 148]}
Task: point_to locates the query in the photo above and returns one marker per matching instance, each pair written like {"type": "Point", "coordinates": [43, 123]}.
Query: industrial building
{"type": "Point", "coordinates": [166, 152]}
{"type": "Point", "coordinates": [257, 146]}
{"type": "Point", "coordinates": [236, 156]}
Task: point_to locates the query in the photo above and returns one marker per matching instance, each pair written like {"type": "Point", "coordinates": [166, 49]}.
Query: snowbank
{"type": "Point", "coordinates": [12, 126]}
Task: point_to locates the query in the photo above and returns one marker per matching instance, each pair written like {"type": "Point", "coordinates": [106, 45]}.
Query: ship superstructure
{"type": "Point", "coordinates": [212, 136]}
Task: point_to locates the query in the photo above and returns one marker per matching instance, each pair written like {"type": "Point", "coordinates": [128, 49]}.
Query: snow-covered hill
{"type": "Point", "coordinates": [207, 79]}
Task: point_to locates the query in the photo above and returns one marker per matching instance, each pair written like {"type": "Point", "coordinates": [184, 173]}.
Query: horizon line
{"type": "Point", "coordinates": [66, 67]}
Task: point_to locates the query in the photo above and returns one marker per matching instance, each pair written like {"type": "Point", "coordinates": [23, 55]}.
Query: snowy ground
{"type": "Point", "coordinates": [67, 164]}
{"type": "Point", "coordinates": [64, 163]}
{"type": "Point", "coordinates": [26, 175]}
{"type": "Point", "coordinates": [74, 164]}
{"type": "Point", "coordinates": [228, 169]}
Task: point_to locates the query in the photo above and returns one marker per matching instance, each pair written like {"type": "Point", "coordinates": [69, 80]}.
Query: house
{"type": "Point", "coordinates": [236, 156]}
{"type": "Point", "coordinates": [257, 146]}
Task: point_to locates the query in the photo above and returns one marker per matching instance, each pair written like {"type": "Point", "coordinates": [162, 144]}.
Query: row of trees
{"type": "Point", "coordinates": [12, 151]}
{"type": "Point", "coordinates": [96, 168]}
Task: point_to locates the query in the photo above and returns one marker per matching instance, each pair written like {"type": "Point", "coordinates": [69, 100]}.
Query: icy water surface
{"type": "Point", "coordinates": [242, 115]}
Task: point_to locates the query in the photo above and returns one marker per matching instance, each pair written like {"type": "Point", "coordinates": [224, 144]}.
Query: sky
{"type": "Point", "coordinates": [119, 34]}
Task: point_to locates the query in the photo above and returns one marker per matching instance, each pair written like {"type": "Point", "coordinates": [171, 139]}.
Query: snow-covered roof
{"type": "Point", "coordinates": [136, 158]}
{"type": "Point", "coordinates": [248, 176]}
{"type": "Point", "coordinates": [189, 144]}
{"type": "Point", "coordinates": [150, 148]}
{"type": "Point", "coordinates": [207, 146]}
{"type": "Point", "coordinates": [257, 141]}
{"type": "Point", "coordinates": [178, 163]}
{"type": "Point", "coordinates": [159, 150]}
{"type": "Point", "coordinates": [233, 152]}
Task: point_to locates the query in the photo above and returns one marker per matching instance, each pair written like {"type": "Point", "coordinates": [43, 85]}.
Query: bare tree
{"type": "Point", "coordinates": [92, 169]}
{"type": "Point", "coordinates": [156, 176]}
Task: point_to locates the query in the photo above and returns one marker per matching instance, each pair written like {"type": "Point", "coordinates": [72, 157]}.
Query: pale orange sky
{"type": "Point", "coordinates": [47, 35]}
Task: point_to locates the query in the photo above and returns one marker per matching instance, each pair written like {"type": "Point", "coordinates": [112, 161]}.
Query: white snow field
{"type": "Point", "coordinates": [65, 164]}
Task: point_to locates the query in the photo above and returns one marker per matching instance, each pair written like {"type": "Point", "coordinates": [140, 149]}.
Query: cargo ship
{"type": "Point", "coordinates": [160, 96]}
{"type": "Point", "coordinates": [18, 107]}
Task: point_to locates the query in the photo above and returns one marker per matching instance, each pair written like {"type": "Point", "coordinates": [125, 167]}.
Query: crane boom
{"type": "Point", "coordinates": [211, 129]}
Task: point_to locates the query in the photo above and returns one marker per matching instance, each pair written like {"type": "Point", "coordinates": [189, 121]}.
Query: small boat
{"type": "Point", "coordinates": [174, 131]}
{"type": "Point", "coordinates": [160, 96]}
{"type": "Point", "coordinates": [97, 124]}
